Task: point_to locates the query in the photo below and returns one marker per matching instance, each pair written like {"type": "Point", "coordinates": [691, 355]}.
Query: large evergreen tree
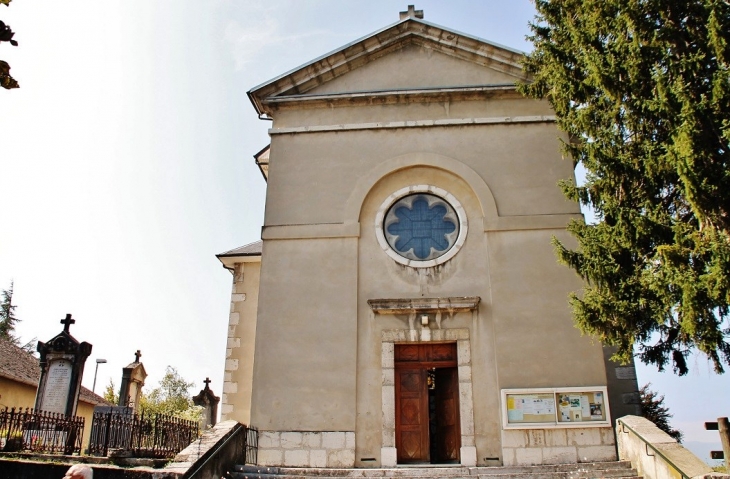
{"type": "Point", "coordinates": [642, 89]}
{"type": "Point", "coordinates": [8, 321]}
{"type": "Point", "coordinates": [7, 316]}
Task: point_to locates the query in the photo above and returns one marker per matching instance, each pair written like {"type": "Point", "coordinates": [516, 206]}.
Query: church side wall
{"type": "Point", "coordinates": [240, 343]}
{"type": "Point", "coordinates": [306, 346]}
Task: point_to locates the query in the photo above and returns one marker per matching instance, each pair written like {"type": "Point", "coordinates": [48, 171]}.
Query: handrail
{"type": "Point", "coordinates": [212, 454]}
{"type": "Point", "coordinates": [657, 451]}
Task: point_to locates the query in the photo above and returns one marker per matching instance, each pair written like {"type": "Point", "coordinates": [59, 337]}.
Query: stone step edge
{"type": "Point", "coordinates": [620, 472]}
{"type": "Point", "coordinates": [245, 475]}
{"type": "Point", "coordinates": [451, 471]}
{"type": "Point", "coordinates": [612, 473]}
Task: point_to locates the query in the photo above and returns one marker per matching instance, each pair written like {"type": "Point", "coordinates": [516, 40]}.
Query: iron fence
{"type": "Point", "coordinates": [158, 436]}
{"type": "Point", "coordinates": [40, 431]}
{"type": "Point", "coordinates": [251, 445]}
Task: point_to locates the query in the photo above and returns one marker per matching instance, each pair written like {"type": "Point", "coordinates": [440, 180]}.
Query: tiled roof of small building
{"type": "Point", "coordinates": [251, 249]}
{"type": "Point", "coordinates": [21, 366]}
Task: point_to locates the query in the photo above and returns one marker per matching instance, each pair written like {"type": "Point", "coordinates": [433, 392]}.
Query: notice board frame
{"type": "Point", "coordinates": [554, 422]}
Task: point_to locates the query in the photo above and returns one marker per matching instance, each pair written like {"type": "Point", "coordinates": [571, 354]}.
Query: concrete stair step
{"type": "Point", "coordinates": [604, 473]}
{"type": "Point", "coordinates": [554, 475]}
{"type": "Point", "coordinates": [406, 471]}
{"type": "Point", "coordinates": [593, 475]}
{"type": "Point", "coordinates": [255, 469]}
{"type": "Point", "coordinates": [581, 466]}
{"type": "Point", "coordinates": [617, 468]}
{"type": "Point", "coordinates": [239, 475]}
{"type": "Point", "coordinates": [589, 470]}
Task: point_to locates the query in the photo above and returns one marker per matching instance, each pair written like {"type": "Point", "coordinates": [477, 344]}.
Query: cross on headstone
{"type": "Point", "coordinates": [67, 322]}
{"type": "Point", "coordinates": [207, 382]}
{"type": "Point", "coordinates": [412, 12]}
{"type": "Point", "coordinates": [137, 355]}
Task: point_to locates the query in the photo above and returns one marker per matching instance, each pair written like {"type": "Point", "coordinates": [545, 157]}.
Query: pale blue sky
{"type": "Point", "coordinates": [125, 160]}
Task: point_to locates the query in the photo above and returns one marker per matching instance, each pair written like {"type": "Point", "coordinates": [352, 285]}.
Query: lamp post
{"type": "Point", "coordinates": [98, 361]}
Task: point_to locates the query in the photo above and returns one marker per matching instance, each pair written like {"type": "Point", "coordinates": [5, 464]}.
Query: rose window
{"type": "Point", "coordinates": [421, 227]}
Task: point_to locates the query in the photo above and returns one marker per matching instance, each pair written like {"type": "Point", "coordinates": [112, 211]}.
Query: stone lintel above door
{"type": "Point", "coordinates": [450, 305]}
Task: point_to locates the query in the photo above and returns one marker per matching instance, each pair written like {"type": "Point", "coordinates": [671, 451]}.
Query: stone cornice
{"type": "Point", "coordinates": [392, 97]}
{"type": "Point", "coordinates": [413, 124]}
{"type": "Point", "coordinates": [459, 304]}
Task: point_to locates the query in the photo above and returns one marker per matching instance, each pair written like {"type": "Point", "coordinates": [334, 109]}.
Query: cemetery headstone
{"type": "Point", "coordinates": [133, 378]}
{"type": "Point", "coordinates": [209, 401]}
{"type": "Point", "coordinates": [62, 368]}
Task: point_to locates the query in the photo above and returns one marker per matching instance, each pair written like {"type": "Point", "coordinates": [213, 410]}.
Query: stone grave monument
{"type": "Point", "coordinates": [62, 368]}
{"type": "Point", "coordinates": [209, 401]}
{"type": "Point", "coordinates": [133, 377]}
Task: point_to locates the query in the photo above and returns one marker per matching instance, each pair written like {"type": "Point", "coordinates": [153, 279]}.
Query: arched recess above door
{"type": "Point", "coordinates": [476, 183]}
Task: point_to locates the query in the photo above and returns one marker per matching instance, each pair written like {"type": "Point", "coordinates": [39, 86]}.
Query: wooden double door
{"type": "Point", "coordinates": [427, 426]}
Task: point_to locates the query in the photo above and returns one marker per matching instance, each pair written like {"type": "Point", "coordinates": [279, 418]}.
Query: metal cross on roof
{"type": "Point", "coordinates": [137, 355]}
{"type": "Point", "coordinates": [411, 12]}
{"type": "Point", "coordinates": [67, 322]}
{"type": "Point", "coordinates": [207, 382]}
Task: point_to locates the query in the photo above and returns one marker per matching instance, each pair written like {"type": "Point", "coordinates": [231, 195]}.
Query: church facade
{"type": "Point", "coordinates": [405, 305]}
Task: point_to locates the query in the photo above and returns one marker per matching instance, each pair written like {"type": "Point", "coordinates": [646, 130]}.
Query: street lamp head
{"type": "Point", "coordinates": [96, 370]}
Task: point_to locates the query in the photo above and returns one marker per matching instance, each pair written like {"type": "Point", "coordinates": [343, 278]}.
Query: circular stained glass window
{"type": "Point", "coordinates": [421, 227]}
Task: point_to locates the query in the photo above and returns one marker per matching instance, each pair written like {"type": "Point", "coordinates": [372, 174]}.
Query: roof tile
{"type": "Point", "coordinates": [251, 249]}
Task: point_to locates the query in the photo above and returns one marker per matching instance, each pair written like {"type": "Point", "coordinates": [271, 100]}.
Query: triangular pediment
{"type": "Point", "coordinates": [411, 54]}
{"type": "Point", "coordinates": [416, 65]}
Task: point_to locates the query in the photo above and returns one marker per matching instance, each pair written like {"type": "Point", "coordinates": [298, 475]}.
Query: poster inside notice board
{"type": "Point", "coordinates": [531, 408]}
{"type": "Point", "coordinates": [584, 406]}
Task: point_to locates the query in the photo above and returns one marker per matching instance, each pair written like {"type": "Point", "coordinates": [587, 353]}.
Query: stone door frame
{"type": "Point", "coordinates": [389, 337]}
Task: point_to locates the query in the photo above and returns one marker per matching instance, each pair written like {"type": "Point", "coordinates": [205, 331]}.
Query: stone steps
{"type": "Point", "coordinates": [593, 470]}
{"type": "Point", "coordinates": [244, 475]}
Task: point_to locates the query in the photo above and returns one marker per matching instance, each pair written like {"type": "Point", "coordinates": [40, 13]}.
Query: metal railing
{"type": "Point", "coordinates": [40, 431]}
{"type": "Point", "coordinates": [158, 436]}
{"type": "Point", "coordinates": [251, 445]}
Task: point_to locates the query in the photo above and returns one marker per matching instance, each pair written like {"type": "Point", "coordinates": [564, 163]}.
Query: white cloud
{"type": "Point", "coordinates": [256, 37]}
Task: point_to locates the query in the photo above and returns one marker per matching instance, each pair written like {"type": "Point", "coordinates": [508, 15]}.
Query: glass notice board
{"type": "Point", "coordinates": [558, 406]}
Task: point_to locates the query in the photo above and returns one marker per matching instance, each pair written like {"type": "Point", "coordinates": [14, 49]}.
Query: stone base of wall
{"type": "Point", "coordinates": [521, 447]}
{"type": "Point", "coordinates": [307, 449]}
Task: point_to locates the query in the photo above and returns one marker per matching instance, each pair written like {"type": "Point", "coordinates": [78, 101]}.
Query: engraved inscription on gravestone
{"type": "Point", "coordinates": [55, 394]}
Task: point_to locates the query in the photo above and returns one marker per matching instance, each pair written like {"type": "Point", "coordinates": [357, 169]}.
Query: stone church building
{"type": "Point", "coordinates": [405, 305]}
